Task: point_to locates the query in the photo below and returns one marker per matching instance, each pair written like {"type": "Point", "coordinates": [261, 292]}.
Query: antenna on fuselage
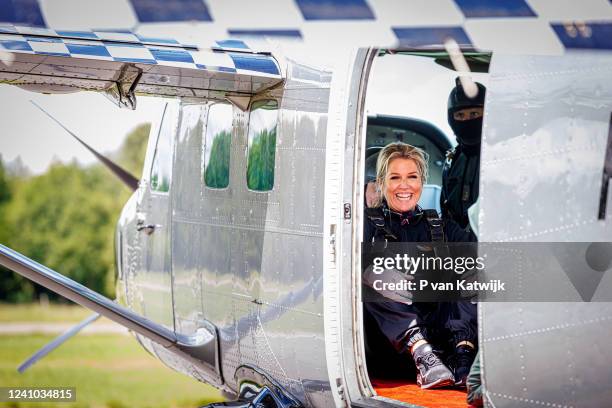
{"type": "Point", "coordinates": [128, 179]}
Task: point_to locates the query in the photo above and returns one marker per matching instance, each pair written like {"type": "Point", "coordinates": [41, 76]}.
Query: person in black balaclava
{"type": "Point", "coordinates": [460, 190]}
{"type": "Point", "coordinates": [461, 171]}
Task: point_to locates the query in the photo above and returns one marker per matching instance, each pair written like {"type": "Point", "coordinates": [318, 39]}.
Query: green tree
{"type": "Point", "coordinates": [65, 219]}
{"type": "Point", "coordinates": [5, 190]}
{"type": "Point", "coordinates": [216, 174]}
{"type": "Point", "coordinates": [132, 152]}
{"type": "Point", "coordinates": [66, 224]}
{"type": "Point", "coordinates": [13, 287]}
{"type": "Point", "coordinates": [260, 167]}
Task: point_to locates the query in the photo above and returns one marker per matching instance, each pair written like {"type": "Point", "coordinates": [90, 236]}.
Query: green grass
{"type": "Point", "coordinates": [34, 312]}
{"type": "Point", "coordinates": [107, 370]}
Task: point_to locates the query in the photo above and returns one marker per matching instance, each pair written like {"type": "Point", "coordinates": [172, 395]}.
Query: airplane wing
{"type": "Point", "coordinates": [123, 65]}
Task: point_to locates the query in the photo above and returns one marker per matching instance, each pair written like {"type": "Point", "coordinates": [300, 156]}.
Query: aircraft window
{"type": "Point", "coordinates": [262, 145]}
{"type": "Point", "coordinates": [161, 169]}
{"type": "Point", "coordinates": [216, 151]}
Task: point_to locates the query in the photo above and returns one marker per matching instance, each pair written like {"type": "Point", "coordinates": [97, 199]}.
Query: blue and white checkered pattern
{"type": "Point", "coordinates": [134, 48]}
{"type": "Point", "coordinates": [528, 26]}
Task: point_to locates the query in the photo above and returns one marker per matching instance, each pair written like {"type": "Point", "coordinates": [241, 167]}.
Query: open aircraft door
{"type": "Point", "coordinates": [546, 161]}
{"type": "Point", "coordinates": [124, 66]}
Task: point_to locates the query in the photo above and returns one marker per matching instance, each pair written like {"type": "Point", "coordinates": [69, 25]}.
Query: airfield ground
{"type": "Point", "coordinates": [109, 370]}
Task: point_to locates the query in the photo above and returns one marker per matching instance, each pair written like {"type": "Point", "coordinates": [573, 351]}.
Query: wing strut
{"type": "Point", "coordinates": [200, 349]}
{"type": "Point", "coordinates": [58, 341]}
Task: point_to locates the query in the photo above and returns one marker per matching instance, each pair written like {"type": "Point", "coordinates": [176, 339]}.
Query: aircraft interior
{"type": "Point", "coordinates": [406, 100]}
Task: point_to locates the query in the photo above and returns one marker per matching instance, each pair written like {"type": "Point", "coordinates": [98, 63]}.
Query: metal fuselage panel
{"type": "Point", "coordinates": [147, 276]}
{"type": "Point", "coordinates": [152, 285]}
{"type": "Point", "coordinates": [250, 262]}
{"type": "Point", "coordinates": [546, 128]}
{"type": "Point", "coordinates": [129, 251]}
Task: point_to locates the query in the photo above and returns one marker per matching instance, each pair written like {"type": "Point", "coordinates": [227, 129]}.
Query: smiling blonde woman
{"type": "Point", "coordinates": [387, 177]}
{"type": "Point", "coordinates": [401, 171]}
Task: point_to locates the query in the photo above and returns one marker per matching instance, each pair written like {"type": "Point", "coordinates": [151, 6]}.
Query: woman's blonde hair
{"type": "Point", "coordinates": [394, 151]}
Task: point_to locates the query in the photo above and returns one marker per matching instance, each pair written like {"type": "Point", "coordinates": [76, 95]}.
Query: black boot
{"type": "Point", "coordinates": [431, 371]}
{"type": "Point", "coordinates": [461, 363]}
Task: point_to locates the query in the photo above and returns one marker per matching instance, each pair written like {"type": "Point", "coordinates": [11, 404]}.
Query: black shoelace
{"type": "Point", "coordinates": [430, 360]}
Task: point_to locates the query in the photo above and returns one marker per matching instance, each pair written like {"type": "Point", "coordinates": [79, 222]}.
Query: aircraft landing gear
{"type": "Point", "coordinates": [257, 390]}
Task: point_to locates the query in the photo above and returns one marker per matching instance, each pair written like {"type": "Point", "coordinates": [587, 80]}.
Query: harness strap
{"type": "Point", "coordinates": [436, 229]}
{"type": "Point", "coordinates": [436, 225]}
{"type": "Point", "coordinates": [378, 219]}
{"type": "Point", "coordinates": [450, 154]}
{"type": "Point", "coordinates": [472, 163]}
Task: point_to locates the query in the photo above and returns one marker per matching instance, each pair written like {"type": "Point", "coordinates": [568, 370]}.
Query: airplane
{"type": "Point", "coordinates": [201, 281]}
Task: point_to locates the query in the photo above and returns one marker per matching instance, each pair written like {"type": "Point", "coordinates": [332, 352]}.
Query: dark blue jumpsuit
{"type": "Point", "coordinates": [404, 324]}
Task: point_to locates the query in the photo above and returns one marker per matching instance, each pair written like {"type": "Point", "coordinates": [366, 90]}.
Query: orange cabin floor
{"type": "Point", "coordinates": [413, 394]}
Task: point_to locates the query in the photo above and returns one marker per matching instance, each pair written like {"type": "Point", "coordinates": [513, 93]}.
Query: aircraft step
{"type": "Point", "coordinates": [411, 393]}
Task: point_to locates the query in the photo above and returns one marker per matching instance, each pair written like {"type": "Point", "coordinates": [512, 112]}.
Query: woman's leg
{"type": "Point", "coordinates": [463, 321]}
{"type": "Point", "coordinates": [403, 326]}
{"type": "Point", "coordinates": [399, 323]}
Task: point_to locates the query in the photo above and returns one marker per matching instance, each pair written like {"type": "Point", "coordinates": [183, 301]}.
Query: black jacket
{"type": "Point", "coordinates": [400, 324]}
{"type": "Point", "coordinates": [460, 184]}
{"type": "Point", "coordinates": [413, 227]}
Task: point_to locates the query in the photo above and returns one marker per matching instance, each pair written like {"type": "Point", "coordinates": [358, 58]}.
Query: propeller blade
{"type": "Point", "coordinates": [124, 176]}
{"type": "Point", "coordinates": [58, 341]}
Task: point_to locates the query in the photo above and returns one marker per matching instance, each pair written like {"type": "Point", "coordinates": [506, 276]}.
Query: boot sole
{"type": "Point", "coordinates": [442, 382]}
{"type": "Point", "coordinates": [461, 384]}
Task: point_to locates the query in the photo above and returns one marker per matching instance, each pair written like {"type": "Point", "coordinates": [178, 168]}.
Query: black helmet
{"type": "Point", "coordinates": [468, 132]}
